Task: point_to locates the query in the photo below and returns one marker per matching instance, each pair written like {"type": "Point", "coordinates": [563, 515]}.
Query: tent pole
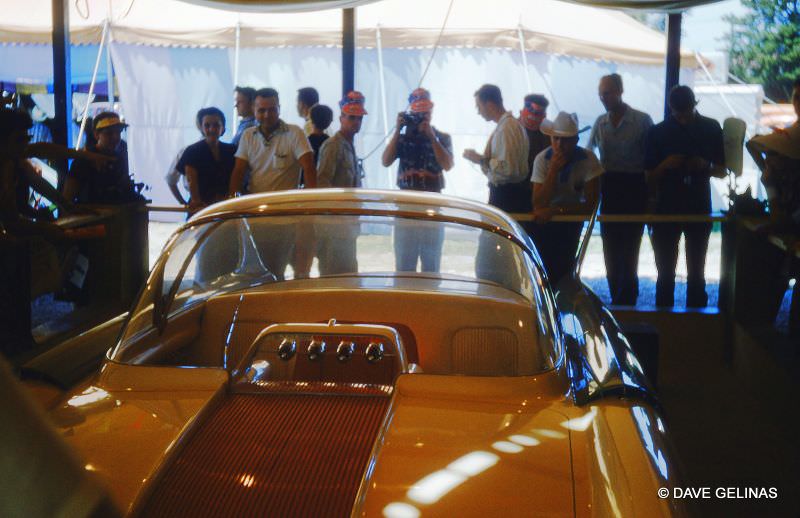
{"type": "Point", "coordinates": [236, 67]}
{"type": "Point", "coordinates": [348, 50]}
{"type": "Point", "coordinates": [91, 85]}
{"type": "Point", "coordinates": [524, 58]}
{"type": "Point", "coordinates": [673, 72]}
{"type": "Point", "coordinates": [379, 46]}
{"type": "Point", "coordinates": [62, 80]}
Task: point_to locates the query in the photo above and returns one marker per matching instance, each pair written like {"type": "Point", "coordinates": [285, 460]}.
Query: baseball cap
{"type": "Point", "coordinates": [353, 103]}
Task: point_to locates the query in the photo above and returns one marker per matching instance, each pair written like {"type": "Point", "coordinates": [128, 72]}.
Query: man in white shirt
{"type": "Point", "coordinates": [566, 180]}
{"type": "Point", "coordinates": [505, 160]}
{"type": "Point", "coordinates": [619, 136]}
{"type": "Point", "coordinates": [274, 151]}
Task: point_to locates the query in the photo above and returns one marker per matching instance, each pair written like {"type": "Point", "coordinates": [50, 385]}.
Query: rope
{"type": "Point", "coordinates": [421, 79]}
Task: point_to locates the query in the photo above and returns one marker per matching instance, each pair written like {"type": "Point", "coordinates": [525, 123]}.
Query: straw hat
{"type": "Point", "coordinates": [564, 125]}
{"type": "Point", "coordinates": [784, 142]}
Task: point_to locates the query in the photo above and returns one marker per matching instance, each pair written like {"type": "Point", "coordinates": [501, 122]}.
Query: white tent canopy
{"type": "Point", "coordinates": [172, 58]}
{"type": "Point", "coordinates": [547, 26]}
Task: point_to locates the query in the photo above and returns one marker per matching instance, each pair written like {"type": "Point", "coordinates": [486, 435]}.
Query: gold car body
{"type": "Point", "coordinates": [443, 445]}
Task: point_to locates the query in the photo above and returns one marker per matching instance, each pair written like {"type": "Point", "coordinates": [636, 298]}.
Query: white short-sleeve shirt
{"type": "Point", "coordinates": [572, 179]}
{"type": "Point", "coordinates": [274, 161]}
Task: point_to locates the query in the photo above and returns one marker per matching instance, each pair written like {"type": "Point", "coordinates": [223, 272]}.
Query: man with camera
{"type": "Point", "coordinates": [424, 153]}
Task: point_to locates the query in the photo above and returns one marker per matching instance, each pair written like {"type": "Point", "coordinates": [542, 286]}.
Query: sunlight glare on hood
{"type": "Point", "coordinates": [473, 463]}
{"type": "Point", "coordinates": [581, 424]}
{"type": "Point", "coordinates": [87, 397]}
{"type": "Point", "coordinates": [400, 510]}
{"type": "Point", "coordinates": [433, 487]}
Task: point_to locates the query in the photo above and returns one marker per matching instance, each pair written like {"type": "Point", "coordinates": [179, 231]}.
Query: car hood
{"type": "Point", "coordinates": [443, 445]}
{"type": "Point", "coordinates": [466, 446]}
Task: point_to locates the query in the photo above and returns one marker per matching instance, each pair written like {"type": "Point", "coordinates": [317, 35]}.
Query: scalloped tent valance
{"type": "Point", "coordinates": [547, 26]}
{"type": "Point", "coordinates": [316, 5]}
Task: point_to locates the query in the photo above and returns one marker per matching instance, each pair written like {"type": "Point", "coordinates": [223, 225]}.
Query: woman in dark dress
{"type": "Point", "coordinates": [208, 163]}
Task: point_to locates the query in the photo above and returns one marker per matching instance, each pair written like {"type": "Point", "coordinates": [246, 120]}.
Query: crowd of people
{"type": "Point", "coordinates": [533, 164]}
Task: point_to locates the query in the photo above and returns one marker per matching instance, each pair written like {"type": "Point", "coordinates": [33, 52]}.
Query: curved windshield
{"type": "Point", "coordinates": [219, 259]}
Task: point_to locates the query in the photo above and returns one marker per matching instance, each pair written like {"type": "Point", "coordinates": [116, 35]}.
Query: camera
{"type": "Point", "coordinates": [412, 120]}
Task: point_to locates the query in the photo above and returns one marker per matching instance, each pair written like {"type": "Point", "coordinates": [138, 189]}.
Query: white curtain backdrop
{"type": "Point", "coordinates": [163, 87]}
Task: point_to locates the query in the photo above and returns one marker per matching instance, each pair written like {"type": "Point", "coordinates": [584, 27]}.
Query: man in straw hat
{"type": "Point", "coordinates": [425, 153]}
{"type": "Point", "coordinates": [682, 153]}
{"type": "Point", "coordinates": [565, 181]}
{"type": "Point", "coordinates": [778, 157]}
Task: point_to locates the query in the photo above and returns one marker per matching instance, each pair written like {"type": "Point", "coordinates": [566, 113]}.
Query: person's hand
{"type": "Point", "coordinates": [557, 163]}
{"type": "Point", "coordinates": [400, 122]}
{"type": "Point", "coordinates": [195, 205]}
{"type": "Point", "coordinates": [673, 162]}
{"type": "Point", "coordinates": [698, 165]}
{"type": "Point", "coordinates": [543, 214]}
{"type": "Point", "coordinates": [473, 156]}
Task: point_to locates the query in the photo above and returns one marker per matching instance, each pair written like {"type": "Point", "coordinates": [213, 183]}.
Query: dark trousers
{"type": "Point", "coordinates": [511, 197]}
{"type": "Point", "coordinates": [557, 244]}
{"type": "Point", "coordinates": [665, 238]}
{"type": "Point", "coordinates": [622, 193]}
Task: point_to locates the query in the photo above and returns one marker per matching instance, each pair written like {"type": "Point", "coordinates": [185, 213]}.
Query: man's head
{"type": "Point", "coordinates": [306, 98]}
{"type": "Point", "coordinates": [489, 101]}
{"type": "Point", "coordinates": [14, 137]}
{"type": "Point", "coordinates": [352, 106]}
{"type": "Point", "coordinates": [245, 96]}
{"type": "Point", "coordinates": [267, 108]}
{"type": "Point", "coordinates": [534, 111]}
{"type": "Point", "coordinates": [610, 91]}
{"type": "Point", "coordinates": [796, 97]}
{"type": "Point", "coordinates": [420, 108]}
{"type": "Point", "coordinates": [108, 131]}
{"type": "Point", "coordinates": [682, 103]}
{"type": "Point", "coordinates": [321, 117]}
{"type": "Point", "coordinates": [211, 122]}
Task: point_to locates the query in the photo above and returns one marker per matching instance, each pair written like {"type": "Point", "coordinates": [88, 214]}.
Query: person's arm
{"type": "Point", "coordinates": [442, 155]}
{"type": "Point", "coordinates": [52, 151]}
{"type": "Point", "coordinates": [176, 193]}
{"type": "Point", "coordinates": [543, 191]}
{"type": "Point", "coordinates": [390, 153]}
{"type": "Point", "coordinates": [757, 153]}
{"type": "Point", "coordinates": [237, 177]}
{"type": "Point", "coordinates": [509, 138]}
{"type": "Point", "coordinates": [173, 178]}
{"type": "Point", "coordinates": [328, 158]}
{"type": "Point", "coordinates": [195, 201]}
{"type": "Point", "coordinates": [309, 170]}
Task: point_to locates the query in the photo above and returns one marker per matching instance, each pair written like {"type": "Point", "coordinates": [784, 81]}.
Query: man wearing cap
{"type": "Point", "coordinates": [565, 181]}
{"type": "Point", "coordinates": [110, 184]}
{"type": "Point", "coordinates": [274, 151]}
{"type": "Point", "coordinates": [425, 153]}
{"type": "Point", "coordinates": [339, 167]}
{"type": "Point", "coordinates": [505, 159]}
{"type": "Point", "coordinates": [533, 112]}
{"type": "Point", "coordinates": [619, 135]}
{"type": "Point", "coordinates": [682, 153]}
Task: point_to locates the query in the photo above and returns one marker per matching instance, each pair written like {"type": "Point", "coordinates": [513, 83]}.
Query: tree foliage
{"type": "Point", "coordinates": [765, 45]}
